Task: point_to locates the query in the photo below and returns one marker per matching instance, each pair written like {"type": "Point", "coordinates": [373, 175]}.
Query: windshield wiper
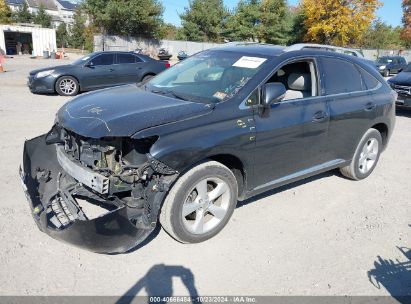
{"type": "Point", "coordinates": [174, 94]}
{"type": "Point", "coordinates": [182, 96]}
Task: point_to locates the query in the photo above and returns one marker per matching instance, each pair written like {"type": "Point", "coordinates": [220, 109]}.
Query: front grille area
{"type": "Point", "coordinates": [403, 90]}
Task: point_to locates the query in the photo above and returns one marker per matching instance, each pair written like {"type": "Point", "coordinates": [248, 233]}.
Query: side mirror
{"type": "Point", "coordinates": [272, 93]}
{"type": "Point", "coordinates": [89, 64]}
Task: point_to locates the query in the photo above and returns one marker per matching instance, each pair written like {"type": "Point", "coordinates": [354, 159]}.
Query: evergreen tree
{"type": "Point", "coordinates": [89, 38]}
{"type": "Point", "coordinates": [204, 20]}
{"type": "Point", "coordinates": [62, 36]}
{"type": "Point", "coordinates": [42, 18]}
{"type": "Point", "coordinates": [298, 30]}
{"type": "Point", "coordinates": [23, 15]}
{"type": "Point", "coordinates": [243, 24]}
{"type": "Point", "coordinates": [126, 17]}
{"type": "Point", "coordinates": [276, 22]}
{"type": "Point", "coordinates": [77, 38]}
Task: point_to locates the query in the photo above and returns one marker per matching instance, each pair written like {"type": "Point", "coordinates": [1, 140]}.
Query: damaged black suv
{"type": "Point", "coordinates": [220, 126]}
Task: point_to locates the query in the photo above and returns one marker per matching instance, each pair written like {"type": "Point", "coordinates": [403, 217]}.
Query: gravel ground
{"type": "Point", "coordinates": [322, 236]}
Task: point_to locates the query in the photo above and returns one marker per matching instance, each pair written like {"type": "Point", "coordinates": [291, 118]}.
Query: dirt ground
{"type": "Point", "coordinates": [323, 236]}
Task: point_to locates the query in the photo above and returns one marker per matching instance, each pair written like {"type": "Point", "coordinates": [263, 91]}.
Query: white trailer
{"type": "Point", "coordinates": [27, 39]}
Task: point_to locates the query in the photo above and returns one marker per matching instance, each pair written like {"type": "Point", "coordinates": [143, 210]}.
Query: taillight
{"type": "Point", "coordinates": [168, 64]}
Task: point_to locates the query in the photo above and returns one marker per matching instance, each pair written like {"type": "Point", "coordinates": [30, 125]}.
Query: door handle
{"type": "Point", "coordinates": [370, 106]}
{"type": "Point", "coordinates": [111, 70]}
{"type": "Point", "coordinates": [319, 116]}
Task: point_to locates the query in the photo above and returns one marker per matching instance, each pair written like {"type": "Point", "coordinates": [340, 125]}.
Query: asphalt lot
{"type": "Point", "coordinates": [322, 236]}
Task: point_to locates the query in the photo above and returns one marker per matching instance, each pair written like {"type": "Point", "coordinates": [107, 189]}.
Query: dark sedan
{"type": "Point", "coordinates": [401, 83]}
{"type": "Point", "coordinates": [95, 71]}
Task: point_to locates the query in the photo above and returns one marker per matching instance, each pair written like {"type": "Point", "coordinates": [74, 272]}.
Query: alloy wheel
{"type": "Point", "coordinates": [206, 205]}
{"type": "Point", "coordinates": [67, 86]}
{"type": "Point", "coordinates": [368, 155]}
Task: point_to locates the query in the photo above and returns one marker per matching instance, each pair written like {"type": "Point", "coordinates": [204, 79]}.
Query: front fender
{"type": "Point", "coordinates": [182, 149]}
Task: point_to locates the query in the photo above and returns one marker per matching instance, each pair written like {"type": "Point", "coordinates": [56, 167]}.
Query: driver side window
{"type": "Point", "coordinates": [103, 59]}
{"type": "Point", "coordinates": [299, 79]}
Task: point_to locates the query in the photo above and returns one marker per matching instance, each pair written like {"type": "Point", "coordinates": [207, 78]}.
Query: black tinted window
{"type": "Point", "coordinates": [340, 76]}
{"type": "Point", "coordinates": [104, 59]}
{"type": "Point", "coordinates": [369, 81]}
{"type": "Point", "coordinates": [126, 58]}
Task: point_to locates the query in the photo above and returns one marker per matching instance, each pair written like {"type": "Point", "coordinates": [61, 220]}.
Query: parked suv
{"type": "Point", "coordinates": [390, 65]}
{"type": "Point", "coordinates": [223, 125]}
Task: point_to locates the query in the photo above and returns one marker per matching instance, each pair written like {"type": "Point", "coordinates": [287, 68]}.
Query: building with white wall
{"type": "Point", "coordinates": [15, 5]}
{"type": "Point", "coordinates": [28, 39]}
{"type": "Point", "coordinates": [59, 10]}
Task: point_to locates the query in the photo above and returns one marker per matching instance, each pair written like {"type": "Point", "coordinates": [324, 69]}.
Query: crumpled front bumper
{"type": "Point", "coordinates": [56, 211]}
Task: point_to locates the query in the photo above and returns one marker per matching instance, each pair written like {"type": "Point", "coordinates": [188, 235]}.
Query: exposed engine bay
{"type": "Point", "coordinates": [64, 174]}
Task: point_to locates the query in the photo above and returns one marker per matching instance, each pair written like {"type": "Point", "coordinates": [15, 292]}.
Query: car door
{"type": "Point", "coordinates": [291, 137]}
{"type": "Point", "coordinates": [351, 105]}
{"type": "Point", "coordinates": [99, 72]}
{"type": "Point", "coordinates": [128, 68]}
{"type": "Point", "coordinates": [395, 65]}
{"type": "Point", "coordinates": [403, 64]}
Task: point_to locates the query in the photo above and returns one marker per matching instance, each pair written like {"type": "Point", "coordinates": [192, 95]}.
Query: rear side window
{"type": "Point", "coordinates": [126, 58]}
{"type": "Point", "coordinates": [104, 59]}
{"type": "Point", "coordinates": [370, 82]}
{"type": "Point", "coordinates": [340, 76]}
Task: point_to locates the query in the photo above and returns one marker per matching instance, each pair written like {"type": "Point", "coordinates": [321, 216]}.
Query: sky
{"type": "Point", "coordinates": [390, 12]}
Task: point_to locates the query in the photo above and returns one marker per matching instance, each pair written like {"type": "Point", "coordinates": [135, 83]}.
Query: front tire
{"type": "Point", "coordinates": [386, 73]}
{"type": "Point", "coordinates": [200, 203]}
{"type": "Point", "coordinates": [366, 156]}
{"type": "Point", "coordinates": [67, 86]}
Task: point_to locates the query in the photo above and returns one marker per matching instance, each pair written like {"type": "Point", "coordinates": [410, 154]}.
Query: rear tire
{"type": "Point", "coordinates": [366, 156]}
{"type": "Point", "coordinates": [67, 86]}
{"type": "Point", "coordinates": [200, 203]}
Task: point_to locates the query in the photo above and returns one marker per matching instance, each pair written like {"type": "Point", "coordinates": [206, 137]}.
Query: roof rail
{"type": "Point", "coordinates": [324, 47]}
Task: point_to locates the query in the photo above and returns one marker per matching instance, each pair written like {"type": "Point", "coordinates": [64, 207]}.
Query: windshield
{"type": "Point", "coordinates": [210, 76]}
{"type": "Point", "coordinates": [384, 60]}
{"type": "Point", "coordinates": [82, 60]}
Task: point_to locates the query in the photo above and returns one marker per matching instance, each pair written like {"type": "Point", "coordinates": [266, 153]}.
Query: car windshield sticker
{"type": "Point", "coordinates": [249, 62]}
{"type": "Point", "coordinates": [219, 95]}
{"type": "Point", "coordinates": [234, 88]}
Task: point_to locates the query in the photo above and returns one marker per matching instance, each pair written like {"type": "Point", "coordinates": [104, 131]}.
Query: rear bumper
{"type": "Point", "coordinates": [54, 198]}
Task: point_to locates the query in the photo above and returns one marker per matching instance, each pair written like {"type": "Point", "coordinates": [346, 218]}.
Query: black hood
{"type": "Point", "coordinates": [58, 67]}
{"type": "Point", "coordinates": [403, 78]}
{"type": "Point", "coordinates": [123, 111]}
